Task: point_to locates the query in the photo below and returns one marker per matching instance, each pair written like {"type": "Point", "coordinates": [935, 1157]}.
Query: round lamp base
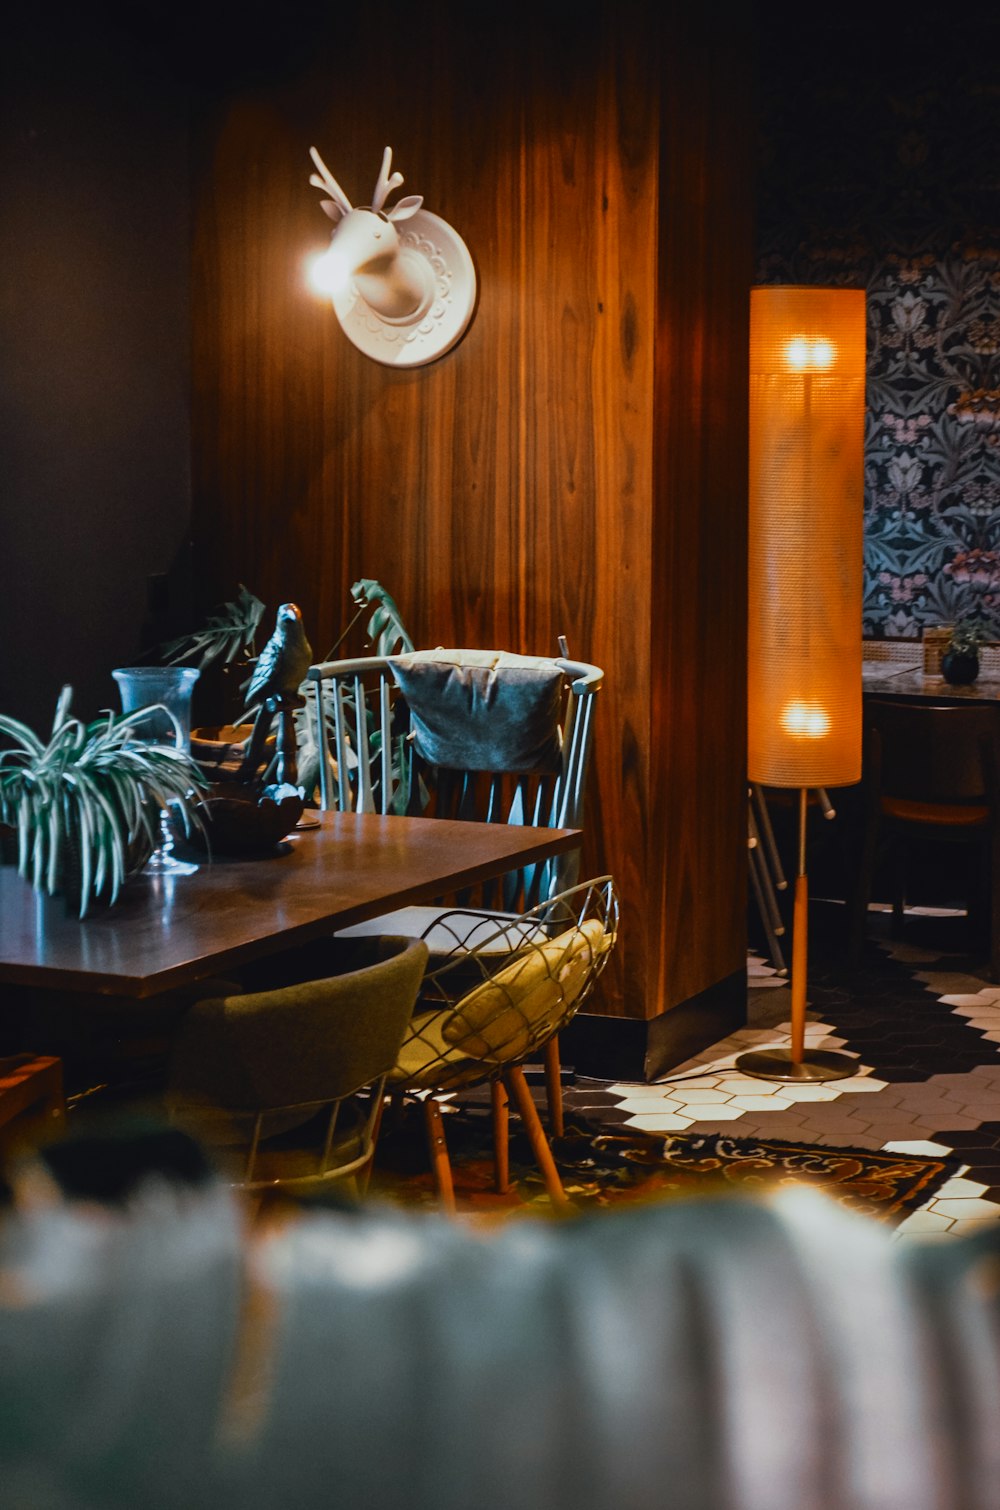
{"type": "Point", "coordinates": [815, 1066]}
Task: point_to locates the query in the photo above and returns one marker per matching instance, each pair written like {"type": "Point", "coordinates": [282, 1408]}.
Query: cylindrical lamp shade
{"type": "Point", "coordinates": [807, 401]}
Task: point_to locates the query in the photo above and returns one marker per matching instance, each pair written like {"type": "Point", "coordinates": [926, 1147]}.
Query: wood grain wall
{"type": "Point", "coordinates": [575, 466]}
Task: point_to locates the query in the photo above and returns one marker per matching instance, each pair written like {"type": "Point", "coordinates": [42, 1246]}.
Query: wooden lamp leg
{"type": "Point", "coordinates": [800, 966]}
{"type": "Point", "coordinates": [794, 1064]}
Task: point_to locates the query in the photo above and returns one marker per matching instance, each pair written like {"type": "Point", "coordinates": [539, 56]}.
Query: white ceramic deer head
{"type": "Point", "coordinates": [410, 311]}
{"type": "Point", "coordinates": [365, 246]}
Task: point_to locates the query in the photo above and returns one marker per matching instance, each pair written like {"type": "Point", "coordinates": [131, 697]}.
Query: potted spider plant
{"type": "Point", "coordinates": [85, 805]}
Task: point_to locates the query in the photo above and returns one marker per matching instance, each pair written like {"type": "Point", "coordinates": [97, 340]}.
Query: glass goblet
{"type": "Point", "coordinates": [166, 691]}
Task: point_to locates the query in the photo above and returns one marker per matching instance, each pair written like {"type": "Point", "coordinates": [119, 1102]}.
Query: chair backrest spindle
{"type": "Point", "coordinates": [369, 763]}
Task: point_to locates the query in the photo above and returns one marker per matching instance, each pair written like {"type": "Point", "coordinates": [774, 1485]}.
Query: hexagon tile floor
{"type": "Point", "coordinates": [924, 1025]}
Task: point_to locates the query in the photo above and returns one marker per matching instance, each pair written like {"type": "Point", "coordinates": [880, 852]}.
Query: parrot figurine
{"type": "Point", "coordinates": [280, 670]}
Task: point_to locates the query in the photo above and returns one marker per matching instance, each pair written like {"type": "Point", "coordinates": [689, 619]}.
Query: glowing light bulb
{"type": "Point", "coordinates": [805, 720]}
{"type": "Point", "coordinates": [327, 272]}
{"type": "Point", "coordinates": [797, 354]}
{"type": "Point", "coordinates": [821, 354]}
{"type": "Point", "coordinates": [810, 354]}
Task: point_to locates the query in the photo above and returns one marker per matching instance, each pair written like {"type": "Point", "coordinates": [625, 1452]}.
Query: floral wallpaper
{"type": "Point", "coordinates": [880, 168]}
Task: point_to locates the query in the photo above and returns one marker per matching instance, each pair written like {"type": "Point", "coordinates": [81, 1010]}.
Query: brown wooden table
{"type": "Point", "coordinates": [169, 932]}
{"type": "Point", "coordinates": [909, 684]}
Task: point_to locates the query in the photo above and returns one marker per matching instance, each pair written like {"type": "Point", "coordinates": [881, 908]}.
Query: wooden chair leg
{"type": "Point", "coordinates": [863, 891]}
{"type": "Point", "coordinates": [899, 871]}
{"type": "Point", "coordinates": [501, 1135]}
{"type": "Point", "coordinates": [31, 1097]}
{"type": "Point", "coordinates": [440, 1163]}
{"type": "Point", "coordinates": [553, 1086]}
{"type": "Point", "coordinates": [397, 1108]}
{"type": "Point", "coordinates": [52, 1107]}
{"type": "Point", "coordinates": [993, 898]}
{"type": "Point", "coordinates": [536, 1135]}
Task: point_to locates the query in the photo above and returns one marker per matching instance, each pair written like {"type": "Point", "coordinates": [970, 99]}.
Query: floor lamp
{"type": "Point", "coordinates": [807, 398]}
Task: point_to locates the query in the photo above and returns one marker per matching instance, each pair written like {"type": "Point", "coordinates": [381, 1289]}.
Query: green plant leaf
{"type": "Point", "coordinates": [26, 737]}
{"type": "Point", "coordinates": [55, 847]}
{"type": "Point", "coordinates": [227, 634]}
{"type": "Point", "coordinates": [97, 787]}
{"type": "Point", "coordinates": [386, 625]}
{"type": "Point", "coordinates": [62, 708]}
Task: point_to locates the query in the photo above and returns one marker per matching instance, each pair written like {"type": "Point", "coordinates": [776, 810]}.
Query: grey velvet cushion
{"type": "Point", "coordinates": [482, 710]}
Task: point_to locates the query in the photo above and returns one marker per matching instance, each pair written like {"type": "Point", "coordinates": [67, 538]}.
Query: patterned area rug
{"type": "Point", "coordinates": [601, 1167]}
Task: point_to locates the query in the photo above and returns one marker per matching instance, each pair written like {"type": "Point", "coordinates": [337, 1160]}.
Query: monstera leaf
{"type": "Point", "coordinates": [227, 635]}
{"type": "Point", "coordinates": [385, 626]}
{"type": "Point", "coordinates": [386, 629]}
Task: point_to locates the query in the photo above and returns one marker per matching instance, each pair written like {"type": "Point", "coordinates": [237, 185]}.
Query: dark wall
{"type": "Point", "coordinates": [94, 335]}
{"type": "Point", "coordinates": [575, 466]}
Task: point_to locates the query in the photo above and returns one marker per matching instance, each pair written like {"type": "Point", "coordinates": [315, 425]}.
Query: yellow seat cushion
{"type": "Point", "coordinates": [524, 1002]}
{"type": "Point", "coordinates": [500, 1020]}
{"type": "Point", "coordinates": [420, 1062]}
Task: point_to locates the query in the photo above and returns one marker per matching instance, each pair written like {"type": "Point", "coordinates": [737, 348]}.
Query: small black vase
{"type": "Point", "coordinates": [959, 669]}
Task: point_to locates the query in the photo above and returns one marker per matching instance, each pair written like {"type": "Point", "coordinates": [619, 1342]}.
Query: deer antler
{"type": "Point", "coordinates": [324, 179]}
{"type": "Point", "coordinates": [385, 184]}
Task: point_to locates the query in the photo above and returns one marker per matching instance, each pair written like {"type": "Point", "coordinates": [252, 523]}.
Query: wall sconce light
{"type": "Point", "coordinates": [403, 296]}
{"type": "Point", "coordinates": [807, 404]}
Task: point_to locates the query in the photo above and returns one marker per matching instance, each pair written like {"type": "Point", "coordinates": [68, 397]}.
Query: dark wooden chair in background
{"type": "Point", "coordinates": [931, 772]}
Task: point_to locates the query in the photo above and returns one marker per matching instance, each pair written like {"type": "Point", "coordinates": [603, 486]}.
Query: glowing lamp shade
{"type": "Point", "coordinates": [807, 398]}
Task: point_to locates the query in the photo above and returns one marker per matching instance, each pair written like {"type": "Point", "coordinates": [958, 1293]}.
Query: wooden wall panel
{"type": "Point", "coordinates": [698, 627]}
{"type": "Point", "coordinates": [504, 494]}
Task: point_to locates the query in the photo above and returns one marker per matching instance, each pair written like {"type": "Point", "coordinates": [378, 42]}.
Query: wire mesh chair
{"type": "Point", "coordinates": [481, 736]}
{"type": "Point", "coordinates": [477, 1024]}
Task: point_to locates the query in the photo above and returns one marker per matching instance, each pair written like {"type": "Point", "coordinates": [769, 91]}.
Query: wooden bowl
{"type": "Point", "coordinates": [235, 822]}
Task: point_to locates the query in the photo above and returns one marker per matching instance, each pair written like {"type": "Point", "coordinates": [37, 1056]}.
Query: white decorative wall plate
{"type": "Point", "coordinates": [402, 343]}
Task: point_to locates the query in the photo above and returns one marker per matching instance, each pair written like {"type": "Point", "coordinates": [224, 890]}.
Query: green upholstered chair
{"type": "Point", "coordinates": [479, 735]}
{"type": "Point", "coordinates": [477, 1023]}
{"type": "Point", "coordinates": [249, 1068]}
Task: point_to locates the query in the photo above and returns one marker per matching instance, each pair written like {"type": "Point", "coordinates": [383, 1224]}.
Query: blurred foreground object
{"type": "Point", "coordinates": [149, 1358]}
